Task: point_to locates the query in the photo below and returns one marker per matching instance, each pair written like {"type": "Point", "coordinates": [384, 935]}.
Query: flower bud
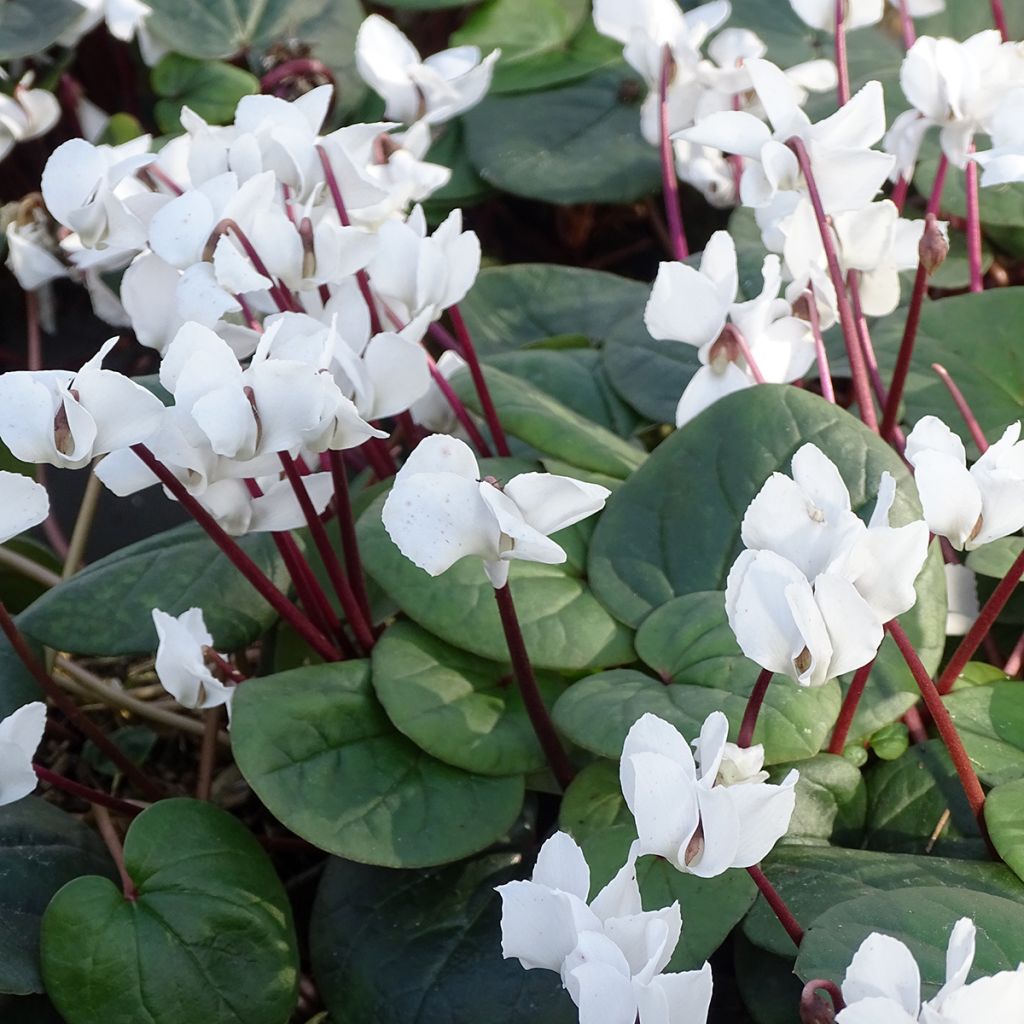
{"type": "Point", "coordinates": [934, 246]}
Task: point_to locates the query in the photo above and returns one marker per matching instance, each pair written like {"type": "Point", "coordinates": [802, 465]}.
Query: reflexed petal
{"type": "Point", "coordinates": [779, 97]}
{"type": "Point", "coordinates": [685, 306]}
{"type": "Point", "coordinates": [883, 968]}
{"type": "Point", "coordinates": [70, 178]}
{"type": "Point", "coordinates": [278, 509]}
{"type": "Point", "coordinates": [683, 998]}
{"type": "Point", "coordinates": [561, 865]}
{"type": "Point", "coordinates": [859, 123]}
{"type": "Point", "coordinates": [23, 729]}
{"type": "Point", "coordinates": [999, 474]}
{"type": "Point", "coordinates": [718, 265]}
{"type": "Point", "coordinates": [962, 605]}
{"type": "Point", "coordinates": [732, 131]}
{"type": "Point", "coordinates": [436, 519]}
{"type": "Point", "coordinates": [875, 1010]}
{"type": "Point", "coordinates": [441, 453]}
{"type": "Point", "coordinates": [148, 296]}
{"type": "Point", "coordinates": [651, 734]}
{"type": "Point", "coordinates": [179, 232]}
{"type": "Point", "coordinates": [527, 544]}
{"type": "Point", "coordinates": [621, 896]}
{"type": "Point", "coordinates": [854, 627]}
{"type": "Point", "coordinates": [179, 659]}
{"type": "Point", "coordinates": [661, 795]}
{"type": "Point", "coordinates": [540, 927]}
{"type": "Point", "coordinates": [23, 504]}
{"type": "Point", "coordinates": [399, 372]}
{"type": "Point", "coordinates": [720, 825]}
{"type": "Point", "coordinates": [764, 813]}
{"type": "Point", "coordinates": [996, 998]}
{"type": "Point", "coordinates": [706, 387]}
{"type": "Point", "coordinates": [949, 495]}
{"type": "Point", "coordinates": [17, 778]}
{"type": "Point", "coordinates": [597, 977]}
{"type": "Point", "coordinates": [931, 434]}
{"type": "Point", "coordinates": [710, 746]}
{"type": "Point", "coordinates": [959, 958]}
{"type": "Point", "coordinates": [550, 503]}
{"type": "Point", "coordinates": [647, 939]}
{"type": "Point", "coordinates": [233, 270]}
{"type": "Point", "coordinates": [883, 565]}
{"type": "Point", "coordinates": [849, 179]}
{"type": "Point", "coordinates": [200, 298]}
{"type": "Point", "coordinates": [383, 56]}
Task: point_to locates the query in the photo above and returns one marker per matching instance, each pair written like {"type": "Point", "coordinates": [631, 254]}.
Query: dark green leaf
{"type": "Point", "coordinates": [831, 802]}
{"type": "Point", "coordinates": [397, 947]}
{"type": "Point", "coordinates": [922, 918]}
{"type": "Point", "coordinates": [41, 848]}
{"type": "Point", "coordinates": [457, 707]}
{"type": "Point", "coordinates": [210, 937]}
{"type": "Point", "coordinates": [564, 626]}
{"type": "Point", "coordinates": [211, 88]}
{"type": "Point", "coordinates": [593, 803]}
{"type": "Point", "coordinates": [990, 720]}
{"type": "Point", "coordinates": [1004, 818]}
{"type": "Point", "coordinates": [17, 685]}
{"type": "Point", "coordinates": [107, 607]}
{"type": "Point", "coordinates": [321, 754]}
{"type": "Point", "coordinates": [813, 879]}
{"type": "Point", "coordinates": [577, 144]}
{"type": "Point", "coordinates": [767, 983]}
{"type": "Point", "coordinates": [29, 26]}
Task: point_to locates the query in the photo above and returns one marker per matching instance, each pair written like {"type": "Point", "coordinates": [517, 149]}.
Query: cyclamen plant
{"type": "Point", "coordinates": [629, 638]}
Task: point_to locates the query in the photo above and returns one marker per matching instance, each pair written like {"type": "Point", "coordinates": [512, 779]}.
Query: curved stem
{"type": "Point", "coordinates": [849, 708]}
{"type": "Point", "coordinates": [812, 1007]}
{"type": "Point", "coordinates": [941, 718]}
{"type": "Point", "coordinates": [858, 369]}
{"type": "Point", "coordinates": [468, 353]}
{"type": "Point", "coordinates": [94, 796]}
{"type": "Point", "coordinates": [977, 434]}
{"type": "Point", "coordinates": [237, 556]}
{"type": "Point", "coordinates": [74, 714]}
{"type": "Point", "coordinates": [670, 183]}
{"type": "Point", "coordinates": [540, 719]}
{"type": "Point", "coordinates": [753, 708]}
{"type": "Point", "coordinates": [778, 905]}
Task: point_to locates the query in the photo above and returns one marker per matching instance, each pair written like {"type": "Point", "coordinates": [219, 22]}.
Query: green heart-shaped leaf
{"type": "Point", "coordinates": [209, 938]}
{"type": "Point", "coordinates": [990, 720]}
{"type": "Point", "coordinates": [1004, 818]}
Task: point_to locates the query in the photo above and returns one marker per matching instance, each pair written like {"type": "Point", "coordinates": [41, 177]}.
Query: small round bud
{"type": "Point", "coordinates": [934, 246]}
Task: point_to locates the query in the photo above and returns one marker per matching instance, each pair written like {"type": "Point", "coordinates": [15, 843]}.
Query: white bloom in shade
{"type": "Point", "coordinates": [123, 17]}
{"type": "Point", "coordinates": [27, 114]}
{"type": "Point", "coordinates": [883, 984]}
{"type": "Point", "coordinates": [181, 660]}
{"type": "Point", "coordinates": [433, 410]}
{"type": "Point", "coordinates": [973, 507]}
{"type": "Point", "coordinates": [20, 735]}
{"type": "Point", "coordinates": [23, 504]}
{"type": "Point", "coordinates": [66, 419]}
{"type": "Point", "coordinates": [821, 14]}
{"type": "Point", "coordinates": [848, 172]}
{"type": "Point", "coordinates": [962, 605]}
{"type": "Point", "coordinates": [707, 810]}
{"type": "Point", "coordinates": [958, 86]}
{"type": "Point", "coordinates": [439, 88]}
{"type": "Point", "coordinates": [32, 251]}
{"type": "Point", "coordinates": [93, 191]}
{"type": "Point", "coordinates": [439, 511]}
{"type": "Point", "coordinates": [809, 597]}
{"type": "Point", "coordinates": [1004, 162]}
{"type": "Point", "coordinates": [610, 953]}
{"type": "Point", "coordinates": [694, 307]}
{"type": "Point", "coordinates": [414, 273]}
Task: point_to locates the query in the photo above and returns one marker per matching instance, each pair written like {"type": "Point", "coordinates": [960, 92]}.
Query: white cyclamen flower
{"type": "Point", "coordinates": [439, 511]}
{"type": "Point", "coordinates": [27, 114]}
{"type": "Point", "coordinates": [1004, 162]}
{"type": "Point", "coordinates": [20, 735]}
{"type": "Point", "coordinates": [809, 597]}
{"type": "Point", "coordinates": [439, 88]}
{"type": "Point", "coordinates": [610, 953]}
{"type": "Point", "coordinates": [66, 419]}
{"type": "Point", "coordinates": [883, 983]}
{"type": "Point", "coordinates": [821, 14]}
{"type": "Point", "coordinates": [23, 504]}
{"type": "Point", "coordinates": [694, 307]}
{"type": "Point", "coordinates": [181, 661]}
{"type": "Point", "coordinates": [973, 507]}
{"type": "Point", "coordinates": [704, 811]}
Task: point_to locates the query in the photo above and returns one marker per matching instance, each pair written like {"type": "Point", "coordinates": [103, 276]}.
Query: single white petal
{"type": "Point", "coordinates": [24, 728]}
{"type": "Point", "coordinates": [854, 627]}
{"type": "Point", "coordinates": [441, 454]}
{"type": "Point", "coordinates": [621, 896]}
{"type": "Point", "coordinates": [764, 812]}
{"type": "Point", "coordinates": [540, 927]}
{"type": "Point", "coordinates": [706, 387]}
{"type": "Point", "coordinates": [962, 604]}
{"type": "Point", "coordinates": [950, 496]}
{"type": "Point", "coordinates": [598, 982]}
{"type": "Point", "coordinates": [931, 434]}
{"type": "Point", "coordinates": [720, 827]}
{"type": "Point", "coordinates": [23, 504]}
{"type": "Point", "coordinates": [519, 539]}
{"type": "Point", "coordinates": [884, 968]}
{"type": "Point", "coordinates": [653, 735]}
{"type": "Point", "coordinates": [732, 131]}
{"type": "Point", "coordinates": [683, 998]}
{"type": "Point", "coordinates": [662, 797]}
{"type": "Point", "coordinates": [875, 1010]}
{"type": "Point", "coordinates": [710, 746]}
{"type": "Point", "coordinates": [561, 865]}
{"type": "Point", "coordinates": [550, 503]}
{"type": "Point", "coordinates": [685, 306]}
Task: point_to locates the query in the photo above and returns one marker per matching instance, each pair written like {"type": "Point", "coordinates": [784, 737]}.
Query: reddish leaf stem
{"type": "Point", "coordinates": [670, 183]}
{"type": "Point", "coordinates": [113, 843]}
{"type": "Point", "coordinates": [753, 708]}
{"type": "Point", "coordinates": [812, 1007]}
{"type": "Point", "coordinates": [899, 374]}
{"type": "Point", "coordinates": [941, 718]}
{"type": "Point", "coordinates": [237, 556]}
{"type": "Point", "coordinates": [460, 411]}
{"type": "Point", "coordinates": [93, 796]}
{"type": "Point", "coordinates": [537, 711]}
{"type": "Point", "coordinates": [977, 434]}
{"type": "Point", "coordinates": [849, 708]}
{"type": "Point", "coordinates": [828, 391]}
{"type": "Point", "coordinates": [858, 370]}
{"type": "Point", "coordinates": [347, 530]}
{"type": "Point", "coordinates": [778, 905]}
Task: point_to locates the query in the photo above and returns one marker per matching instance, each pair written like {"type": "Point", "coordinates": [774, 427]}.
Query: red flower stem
{"type": "Point", "coordinates": [999, 16]}
{"type": "Point", "coordinates": [982, 624]}
{"type": "Point", "coordinates": [74, 714]}
{"type": "Point", "coordinates": [842, 65]}
{"type": "Point", "coordinates": [973, 225]}
{"type": "Point", "coordinates": [858, 370]}
{"type": "Point", "coordinates": [938, 185]}
{"type": "Point", "coordinates": [741, 342]}
{"type": "Point", "coordinates": [941, 718]}
{"type": "Point", "coordinates": [347, 530]}
{"type": "Point", "coordinates": [915, 725]}
{"type": "Point", "coordinates": [977, 434]}
{"type": "Point", "coordinates": [530, 692]}
{"type": "Point", "coordinates": [460, 411]}
{"type": "Point", "coordinates": [165, 179]}
{"type": "Point", "coordinates": [907, 25]}
{"type": "Point", "coordinates": [241, 561]}
{"type": "Point", "coordinates": [379, 458]}
{"type": "Point", "coordinates": [849, 708]}
{"type": "Point", "coordinates": [670, 183]}
{"type": "Point", "coordinates": [349, 604]}
{"type": "Point", "coordinates": [468, 353]}
{"type": "Point", "coordinates": [899, 193]}
{"type": "Point", "coordinates": [778, 905]}
{"type": "Point", "coordinates": [94, 796]}
{"type": "Point", "coordinates": [753, 708]}
{"type": "Point", "coordinates": [278, 292]}
{"type": "Point", "coordinates": [339, 204]}
{"type": "Point", "coordinates": [811, 1006]}
{"type": "Point", "coordinates": [828, 391]}
{"type": "Point", "coordinates": [864, 337]}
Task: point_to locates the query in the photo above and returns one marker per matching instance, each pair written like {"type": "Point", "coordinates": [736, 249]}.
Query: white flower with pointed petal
{"type": "Point", "coordinates": [181, 660]}
{"type": "Point", "coordinates": [883, 983]}
{"type": "Point", "coordinates": [705, 813]}
{"type": "Point", "coordinates": [1004, 162]}
{"type": "Point", "coordinates": [962, 605]}
{"type": "Point", "coordinates": [821, 14]}
{"type": "Point", "coordinates": [23, 504]}
{"type": "Point", "coordinates": [66, 419]}
{"type": "Point", "coordinates": [439, 88]}
{"type": "Point", "coordinates": [440, 511]}
{"type": "Point", "coordinates": [28, 114]}
{"type": "Point", "coordinates": [20, 736]}
{"type": "Point", "coordinates": [969, 508]}
{"type": "Point", "coordinates": [93, 191]}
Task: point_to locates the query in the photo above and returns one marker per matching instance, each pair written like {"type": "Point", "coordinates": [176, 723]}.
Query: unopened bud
{"type": "Point", "coordinates": [251, 397]}
{"type": "Point", "coordinates": [934, 246]}
{"type": "Point", "coordinates": [308, 247]}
